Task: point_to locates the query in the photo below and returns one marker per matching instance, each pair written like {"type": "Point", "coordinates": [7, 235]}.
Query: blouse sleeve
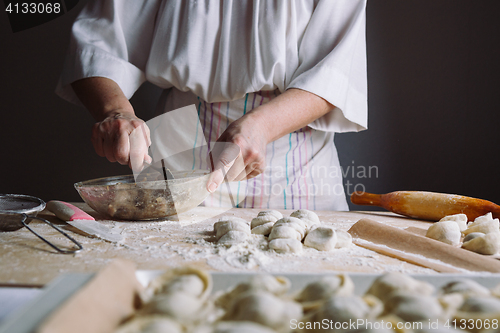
{"type": "Point", "coordinates": [104, 43]}
{"type": "Point", "coordinates": [332, 64]}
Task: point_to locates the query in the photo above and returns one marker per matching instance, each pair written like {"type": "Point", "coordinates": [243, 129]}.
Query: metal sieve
{"type": "Point", "coordinates": [17, 211]}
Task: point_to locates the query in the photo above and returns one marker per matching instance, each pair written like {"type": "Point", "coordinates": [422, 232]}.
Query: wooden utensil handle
{"type": "Point", "coordinates": [366, 199]}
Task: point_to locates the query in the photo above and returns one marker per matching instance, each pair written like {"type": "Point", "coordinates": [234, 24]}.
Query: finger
{"type": "Point", "coordinates": [121, 148]}
{"type": "Point", "coordinates": [222, 157]}
{"type": "Point", "coordinates": [96, 139]}
{"type": "Point", "coordinates": [138, 149]}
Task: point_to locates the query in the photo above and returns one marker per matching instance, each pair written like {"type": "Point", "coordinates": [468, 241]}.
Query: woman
{"type": "Point", "coordinates": [277, 78]}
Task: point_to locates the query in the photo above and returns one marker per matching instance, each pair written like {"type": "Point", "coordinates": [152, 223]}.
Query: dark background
{"type": "Point", "coordinates": [433, 71]}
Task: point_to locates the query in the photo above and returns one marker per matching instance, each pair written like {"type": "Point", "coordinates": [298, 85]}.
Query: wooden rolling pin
{"type": "Point", "coordinates": [427, 205]}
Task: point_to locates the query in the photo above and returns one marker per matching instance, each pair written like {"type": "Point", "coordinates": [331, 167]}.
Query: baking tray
{"type": "Point", "coordinates": [28, 318]}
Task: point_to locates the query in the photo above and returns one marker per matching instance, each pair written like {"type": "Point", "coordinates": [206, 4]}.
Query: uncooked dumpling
{"type": "Point", "coordinates": [342, 309]}
{"type": "Point", "coordinates": [233, 237]}
{"type": "Point", "coordinates": [265, 309]}
{"type": "Point", "coordinates": [285, 231]}
{"type": "Point", "coordinates": [239, 327]}
{"type": "Point", "coordinates": [388, 283]}
{"type": "Point", "coordinates": [226, 226]}
{"type": "Point", "coordinates": [487, 244]}
{"type": "Point", "coordinates": [460, 219]}
{"type": "Point", "coordinates": [309, 217]}
{"type": "Point", "coordinates": [465, 287]}
{"type": "Point", "coordinates": [294, 223]}
{"type": "Point", "coordinates": [484, 224]}
{"type": "Point", "coordinates": [276, 285]}
{"type": "Point", "coordinates": [481, 304]}
{"type": "Point", "coordinates": [447, 232]}
{"type": "Point", "coordinates": [321, 238]}
{"type": "Point", "coordinates": [177, 305]}
{"type": "Point", "coordinates": [344, 239]}
{"type": "Point", "coordinates": [413, 307]}
{"type": "Point", "coordinates": [473, 235]}
{"type": "Point", "coordinates": [285, 245]}
{"type": "Point", "coordinates": [151, 324]}
{"type": "Point", "coordinates": [315, 293]}
{"type": "Point", "coordinates": [225, 219]}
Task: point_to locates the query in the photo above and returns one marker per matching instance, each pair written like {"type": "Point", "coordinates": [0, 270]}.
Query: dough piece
{"type": "Point", "coordinates": [341, 309]}
{"type": "Point", "coordinates": [465, 287]}
{"type": "Point", "coordinates": [447, 232]}
{"type": "Point", "coordinates": [284, 231]}
{"type": "Point", "coordinates": [150, 324]}
{"type": "Point", "coordinates": [460, 219]}
{"type": "Point", "coordinates": [276, 285]}
{"type": "Point", "coordinates": [233, 237]}
{"type": "Point", "coordinates": [286, 245]}
{"type": "Point", "coordinates": [487, 244]}
{"type": "Point", "coordinates": [177, 305]}
{"type": "Point", "coordinates": [266, 216]}
{"type": "Point", "coordinates": [185, 279]}
{"type": "Point", "coordinates": [481, 304]}
{"type": "Point", "coordinates": [225, 227]}
{"type": "Point", "coordinates": [263, 223]}
{"type": "Point", "coordinates": [294, 223]}
{"type": "Point", "coordinates": [315, 293]}
{"type": "Point", "coordinates": [473, 235]}
{"type": "Point", "coordinates": [344, 239]}
{"type": "Point", "coordinates": [484, 224]}
{"type": "Point", "coordinates": [413, 307]}
{"type": "Point", "coordinates": [388, 283]}
{"type": "Point", "coordinates": [309, 217]}
{"type": "Point", "coordinates": [265, 309]}
{"type": "Point", "coordinates": [321, 238]}
{"type": "Point", "coordinates": [225, 219]}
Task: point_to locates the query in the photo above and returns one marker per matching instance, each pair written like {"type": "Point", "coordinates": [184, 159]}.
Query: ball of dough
{"type": "Point", "coordinates": [233, 237]}
{"type": "Point", "coordinates": [321, 238]}
{"type": "Point", "coordinates": [227, 226]}
{"type": "Point", "coordinates": [460, 219]}
{"type": "Point", "coordinates": [344, 239]}
{"type": "Point", "coordinates": [487, 244]}
{"type": "Point", "coordinates": [286, 245]}
{"type": "Point", "coordinates": [285, 231]}
{"type": "Point", "coordinates": [266, 216]}
{"type": "Point", "coordinates": [388, 283]}
{"type": "Point", "coordinates": [294, 223]}
{"type": "Point", "coordinates": [309, 217]}
{"type": "Point", "coordinates": [223, 220]}
{"type": "Point", "coordinates": [263, 229]}
{"type": "Point", "coordinates": [447, 232]}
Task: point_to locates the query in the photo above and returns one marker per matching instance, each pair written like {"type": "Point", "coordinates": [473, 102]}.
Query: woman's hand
{"type": "Point", "coordinates": [240, 152]}
{"type": "Point", "coordinates": [118, 134]}
{"type": "Point", "coordinates": [122, 137]}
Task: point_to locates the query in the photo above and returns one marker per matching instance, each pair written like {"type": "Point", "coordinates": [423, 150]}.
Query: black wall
{"type": "Point", "coordinates": [434, 101]}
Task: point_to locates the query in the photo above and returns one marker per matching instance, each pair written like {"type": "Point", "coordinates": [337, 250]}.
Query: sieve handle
{"type": "Point", "coordinates": [67, 212]}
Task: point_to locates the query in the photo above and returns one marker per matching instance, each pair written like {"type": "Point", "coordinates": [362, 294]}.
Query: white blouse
{"type": "Point", "coordinates": [222, 50]}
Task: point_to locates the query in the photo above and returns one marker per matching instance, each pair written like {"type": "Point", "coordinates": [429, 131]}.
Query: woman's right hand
{"type": "Point", "coordinates": [122, 137]}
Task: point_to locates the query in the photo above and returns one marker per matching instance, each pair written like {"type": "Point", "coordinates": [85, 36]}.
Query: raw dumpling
{"type": "Point", "coordinates": [286, 245]}
{"type": "Point", "coordinates": [321, 238]}
{"type": "Point", "coordinates": [413, 307]}
{"type": "Point", "coordinates": [309, 217]}
{"type": "Point", "coordinates": [276, 285]}
{"type": "Point", "coordinates": [177, 305]}
{"type": "Point", "coordinates": [481, 304]}
{"type": "Point", "coordinates": [341, 309]}
{"type": "Point", "coordinates": [291, 222]}
{"type": "Point", "coordinates": [151, 324]}
{"type": "Point", "coordinates": [465, 287]}
{"type": "Point", "coordinates": [263, 223]}
{"type": "Point", "coordinates": [238, 327]}
{"type": "Point", "coordinates": [460, 219]}
{"type": "Point", "coordinates": [473, 235]}
{"type": "Point", "coordinates": [388, 283]}
{"type": "Point", "coordinates": [231, 231]}
{"type": "Point", "coordinates": [344, 239]}
{"type": "Point", "coordinates": [487, 244]}
{"type": "Point", "coordinates": [315, 293]}
{"type": "Point", "coordinates": [447, 232]}
{"type": "Point", "coordinates": [265, 309]}
{"type": "Point", "coordinates": [484, 224]}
